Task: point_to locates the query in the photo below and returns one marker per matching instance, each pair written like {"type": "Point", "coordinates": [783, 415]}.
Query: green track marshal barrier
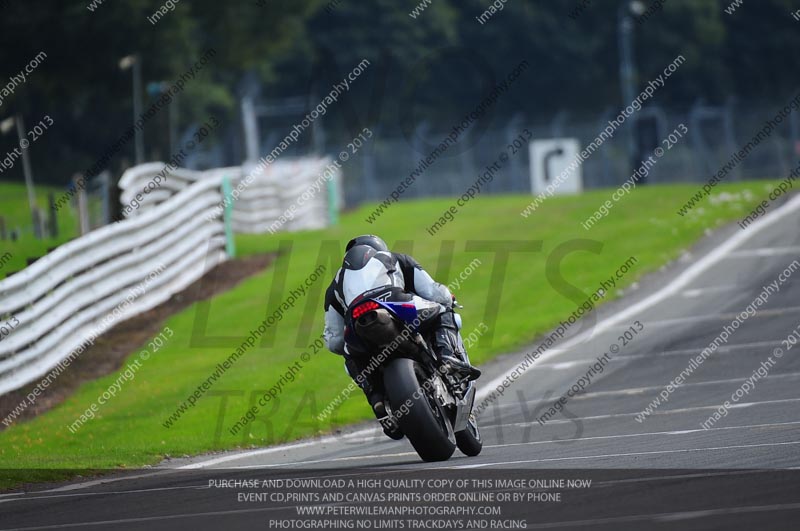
{"type": "Point", "coordinates": [333, 202]}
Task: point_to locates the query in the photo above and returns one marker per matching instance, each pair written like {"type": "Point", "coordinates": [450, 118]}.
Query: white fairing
{"type": "Point", "coordinates": [371, 276]}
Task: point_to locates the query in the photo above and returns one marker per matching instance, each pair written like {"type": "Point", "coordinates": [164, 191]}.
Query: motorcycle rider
{"type": "Point", "coordinates": [402, 271]}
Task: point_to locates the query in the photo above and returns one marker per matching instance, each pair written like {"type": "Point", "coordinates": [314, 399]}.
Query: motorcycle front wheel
{"type": "Point", "coordinates": [469, 441]}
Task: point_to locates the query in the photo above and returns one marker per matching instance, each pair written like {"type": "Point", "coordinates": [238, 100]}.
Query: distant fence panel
{"type": "Point", "coordinates": [288, 195]}
{"type": "Point", "coordinates": [174, 233]}
{"type": "Point", "coordinates": [710, 143]}
{"type": "Point", "coordinates": [61, 303]}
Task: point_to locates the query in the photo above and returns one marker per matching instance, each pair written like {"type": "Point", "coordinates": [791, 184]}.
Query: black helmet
{"type": "Point", "coordinates": [369, 240]}
{"type": "Point", "coordinates": [357, 257]}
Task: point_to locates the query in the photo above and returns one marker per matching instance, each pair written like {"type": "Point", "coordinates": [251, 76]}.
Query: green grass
{"type": "Point", "coordinates": [129, 433]}
{"type": "Point", "coordinates": [15, 211]}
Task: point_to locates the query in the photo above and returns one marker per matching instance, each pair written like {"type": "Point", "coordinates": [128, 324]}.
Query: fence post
{"type": "Point", "coordinates": [105, 195]}
{"type": "Point", "coordinates": [38, 223]}
{"type": "Point", "coordinates": [516, 172]}
{"type": "Point", "coordinates": [333, 201]}
{"type": "Point", "coordinates": [83, 205]}
{"type": "Point", "coordinates": [227, 193]}
{"type": "Point", "coordinates": [51, 208]}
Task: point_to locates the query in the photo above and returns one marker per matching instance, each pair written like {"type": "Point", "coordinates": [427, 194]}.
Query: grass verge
{"type": "Point", "coordinates": [15, 212]}
{"type": "Point", "coordinates": [128, 430]}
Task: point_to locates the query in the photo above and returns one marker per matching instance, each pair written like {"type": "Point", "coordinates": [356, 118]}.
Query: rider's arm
{"type": "Point", "coordinates": [418, 281]}
{"type": "Point", "coordinates": [334, 323]}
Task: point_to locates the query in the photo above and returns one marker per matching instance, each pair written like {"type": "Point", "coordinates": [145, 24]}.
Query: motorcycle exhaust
{"type": "Point", "coordinates": [379, 328]}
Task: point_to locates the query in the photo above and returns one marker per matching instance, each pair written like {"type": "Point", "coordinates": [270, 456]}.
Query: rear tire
{"type": "Point", "coordinates": [469, 441]}
{"type": "Point", "coordinates": [425, 424]}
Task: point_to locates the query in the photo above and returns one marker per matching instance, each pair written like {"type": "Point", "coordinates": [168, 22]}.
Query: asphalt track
{"type": "Point", "coordinates": [665, 471]}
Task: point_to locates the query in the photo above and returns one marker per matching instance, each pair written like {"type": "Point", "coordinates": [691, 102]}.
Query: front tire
{"type": "Point", "coordinates": [424, 422]}
{"type": "Point", "coordinates": [469, 441]}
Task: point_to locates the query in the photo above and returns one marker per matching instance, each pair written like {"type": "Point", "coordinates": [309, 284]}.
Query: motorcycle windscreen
{"type": "Point", "coordinates": [373, 275]}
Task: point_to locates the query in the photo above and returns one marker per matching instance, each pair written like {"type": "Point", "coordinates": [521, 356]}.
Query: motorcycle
{"type": "Point", "coordinates": [431, 404]}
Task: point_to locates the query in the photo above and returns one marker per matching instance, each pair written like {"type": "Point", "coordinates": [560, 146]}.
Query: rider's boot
{"type": "Point", "coordinates": [375, 398]}
{"type": "Point", "coordinates": [450, 348]}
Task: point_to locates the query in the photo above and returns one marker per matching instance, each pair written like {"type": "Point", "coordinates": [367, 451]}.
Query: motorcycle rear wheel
{"type": "Point", "coordinates": [421, 418]}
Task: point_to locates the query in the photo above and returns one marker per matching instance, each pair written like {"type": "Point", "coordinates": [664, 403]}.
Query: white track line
{"type": "Point", "coordinates": [766, 251]}
{"type": "Point", "coordinates": [738, 405]}
{"type": "Point", "coordinates": [626, 454]}
{"type": "Point", "coordinates": [709, 317]}
{"type": "Point", "coordinates": [274, 449]}
{"type": "Point", "coordinates": [630, 435]}
{"type": "Point", "coordinates": [327, 460]}
{"type": "Point", "coordinates": [671, 289]}
{"type": "Point", "coordinates": [582, 439]}
{"type": "Point", "coordinates": [643, 390]}
{"type": "Point", "coordinates": [108, 523]}
{"type": "Point", "coordinates": [104, 493]}
{"type": "Point", "coordinates": [668, 517]}
{"type": "Point", "coordinates": [103, 481]}
{"type": "Point", "coordinates": [632, 391]}
{"type": "Point", "coordinates": [727, 349]}
{"type": "Point", "coordinates": [696, 292]}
